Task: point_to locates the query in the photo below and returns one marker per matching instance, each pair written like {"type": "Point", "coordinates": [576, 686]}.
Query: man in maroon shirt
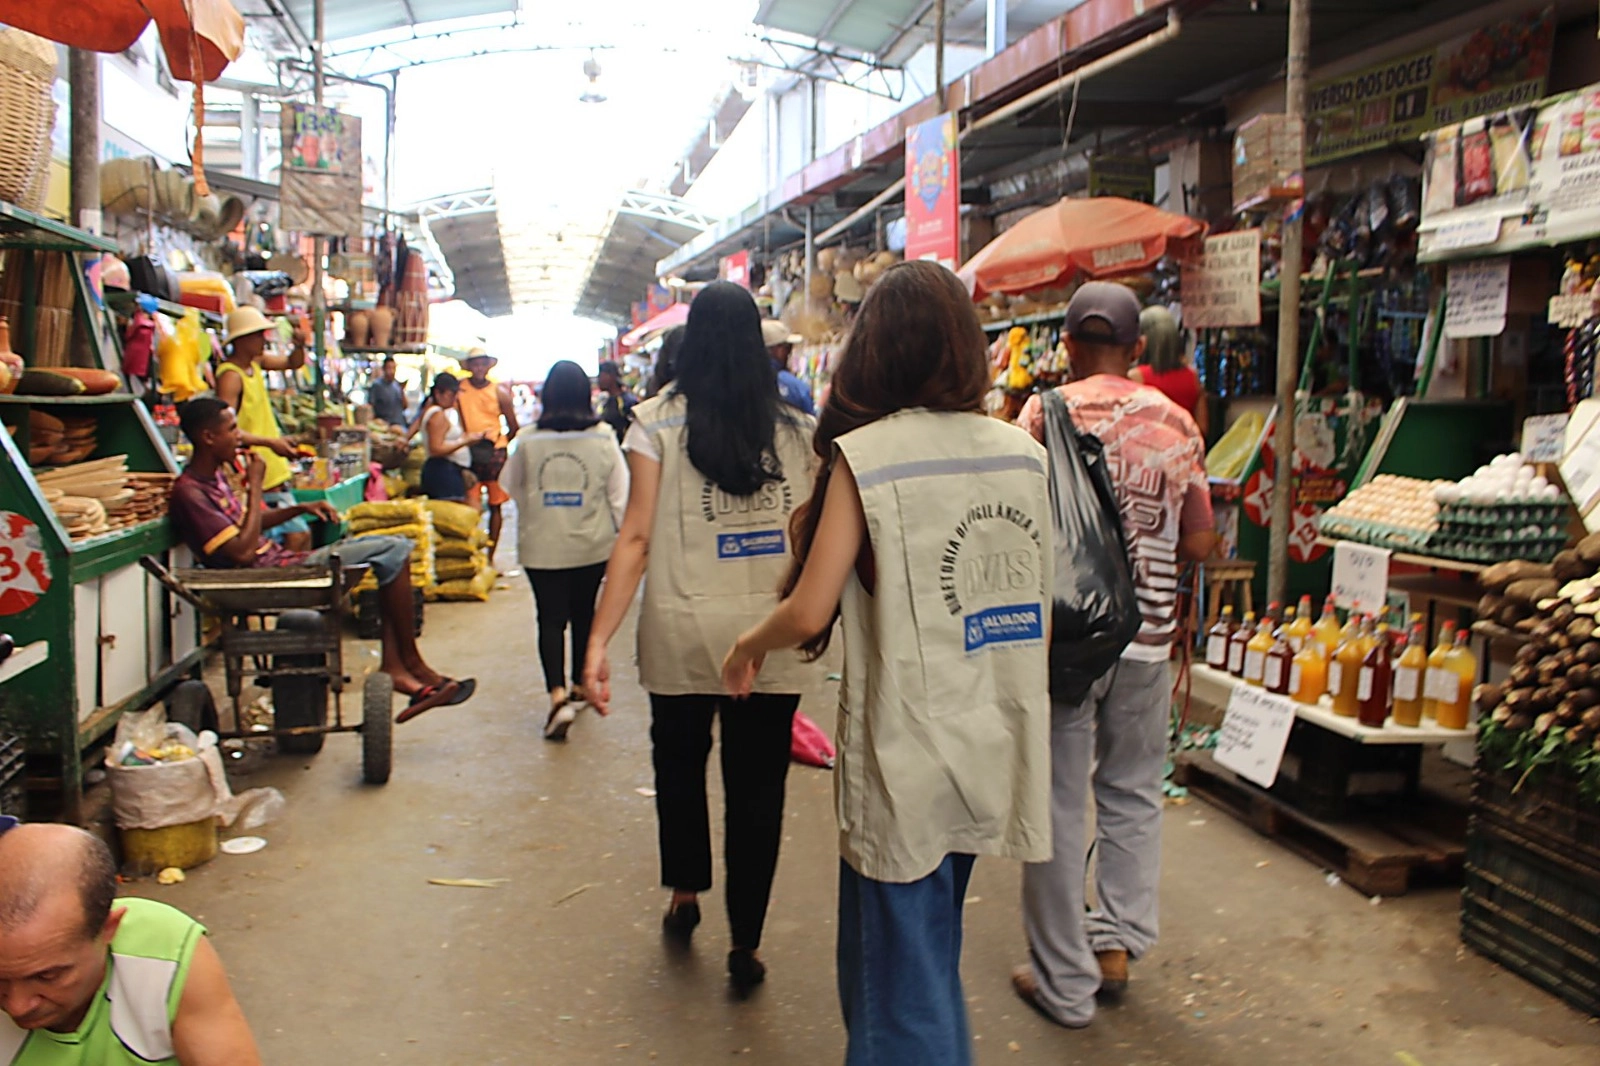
{"type": "Point", "coordinates": [222, 532]}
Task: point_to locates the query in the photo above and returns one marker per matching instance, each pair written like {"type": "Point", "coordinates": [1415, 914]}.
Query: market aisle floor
{"type": "Point", "coordinates": [343, 953]}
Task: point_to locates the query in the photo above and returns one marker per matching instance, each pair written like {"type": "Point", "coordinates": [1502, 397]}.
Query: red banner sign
{"type": "Point", "coordinates": [736, 268]}
{"type": "Point", "coordinates": [933, 191]}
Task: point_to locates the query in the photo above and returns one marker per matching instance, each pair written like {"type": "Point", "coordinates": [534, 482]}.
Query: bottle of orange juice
{"type": "Point", "coordinates": [1308, 673]}
{"type": "Point", "coordinates": [1408, 674]}
{"type": "Point", "coordinates": [1434, 678]}
{"type": "Point", "coordinates": [1255, 653]}
{"type": "Point", "coordinates": [1327, 629]}
{"type": "Point", "coordinates": [1459, 673]}
{"type": "Point", "coordinates": [1344, 673]}
{"type": "Point", "coordinates": [1300, 628]}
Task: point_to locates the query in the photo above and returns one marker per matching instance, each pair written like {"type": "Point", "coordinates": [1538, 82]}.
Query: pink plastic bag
{"type": "Point", "coordinates": [809, 745]}
{"type": "Point", "coordinates": [376, 491]}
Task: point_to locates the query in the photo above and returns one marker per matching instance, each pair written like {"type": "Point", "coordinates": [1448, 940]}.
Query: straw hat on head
{"type": "Point", "coordinates": [478, 353]}
{"type": "Point", "coordinates": [774, 333]}
{"type": "Point", "coordinates": [244, 321]}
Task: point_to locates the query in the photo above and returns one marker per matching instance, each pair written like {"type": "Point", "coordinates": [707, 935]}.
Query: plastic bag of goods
{"type": "Point", "coordinates": [1230, 455]}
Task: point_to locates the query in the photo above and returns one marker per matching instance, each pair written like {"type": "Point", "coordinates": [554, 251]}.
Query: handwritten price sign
{"type": "Point", "coordinates": [1255, 730]}
{"type": "Point", "coordinates": [1360, 577]}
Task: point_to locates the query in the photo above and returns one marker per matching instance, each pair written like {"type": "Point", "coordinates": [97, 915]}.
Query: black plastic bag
{"type": "Point", "coordinates": [1096, 610]}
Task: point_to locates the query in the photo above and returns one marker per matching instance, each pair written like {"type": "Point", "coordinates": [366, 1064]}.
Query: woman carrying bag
{"type": "Point", "coordinates": [928, 534]}
{"type": "Point", "coordinates": [718, 464]}
{"type": "Point", "coordinates": [444, 473]}
{"type": "Point", "coordinates": [571, 487]}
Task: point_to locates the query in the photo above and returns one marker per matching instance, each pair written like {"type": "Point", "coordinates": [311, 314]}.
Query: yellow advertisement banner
{"type": "Point", "coordinates": [1497, 67]}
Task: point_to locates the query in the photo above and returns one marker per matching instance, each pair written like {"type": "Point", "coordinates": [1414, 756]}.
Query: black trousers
{"type": "Point", "coordinates": [564, 598]}
{"type": "Point", "coordinates": [755, 765]}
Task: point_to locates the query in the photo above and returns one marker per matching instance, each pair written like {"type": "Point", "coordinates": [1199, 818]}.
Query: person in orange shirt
{"type": "Point", "coordinates": [487, 408]}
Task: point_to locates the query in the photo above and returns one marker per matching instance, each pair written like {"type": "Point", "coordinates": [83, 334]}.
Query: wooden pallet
{"type": "Point", "coordinates": [1383, 853]}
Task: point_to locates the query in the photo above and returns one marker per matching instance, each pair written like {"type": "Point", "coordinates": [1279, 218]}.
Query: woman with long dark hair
{"type": "Point", "coordinates": [718, 465]}
{"type": "Point", "coordinates": [445, 471]}
{"type": "Point", "coordinates": [928, 534]}
{"type": "Point", "coordinates": [571, 486]}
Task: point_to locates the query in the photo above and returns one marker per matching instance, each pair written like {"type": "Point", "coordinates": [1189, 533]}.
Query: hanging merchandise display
{"type": "Point", "coordinates": [321, 174]}
{"type": "Point", "coordinates": [1513, 180]}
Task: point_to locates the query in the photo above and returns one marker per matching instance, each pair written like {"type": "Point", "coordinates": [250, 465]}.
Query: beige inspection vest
{"type": "Point", "coordinates": [944, 718]}
{"type": "Point", "coordinates": [716, 561]}
{"type": "Point", "coordinates": [560, 480]}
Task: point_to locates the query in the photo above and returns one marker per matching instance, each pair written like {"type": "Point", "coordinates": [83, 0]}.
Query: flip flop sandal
{"type": "Point", "coordinates": [469, 685]}
{"type": "Point", "coordinates": [427, 698]}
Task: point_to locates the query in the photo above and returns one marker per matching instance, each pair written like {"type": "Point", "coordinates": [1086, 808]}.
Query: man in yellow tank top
{"type": "Point", "coordinates": [90, 980]}
{"type": "Point", "coordinates": [484, 404]}
{"type": "Point", "coordinates": [241, 384]}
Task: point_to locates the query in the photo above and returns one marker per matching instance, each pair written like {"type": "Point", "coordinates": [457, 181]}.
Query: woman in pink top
{"type": "Point", "coordinates": [1165, 368]}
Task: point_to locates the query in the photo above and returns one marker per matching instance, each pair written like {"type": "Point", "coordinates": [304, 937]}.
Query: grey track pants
{"type": "Point", "coordinates": [1114, 742]}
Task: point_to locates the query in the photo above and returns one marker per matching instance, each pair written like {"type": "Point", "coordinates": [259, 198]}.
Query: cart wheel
{"type": "Point", "coordinates": [377, 728]}
{"type": "Point", "coordinates": [300, 701]}
{"type": "Point", "coordinates": [190, 704]}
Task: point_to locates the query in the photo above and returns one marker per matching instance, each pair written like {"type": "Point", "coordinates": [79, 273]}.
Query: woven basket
{"type": "Point", "coordinates": [27, 116]}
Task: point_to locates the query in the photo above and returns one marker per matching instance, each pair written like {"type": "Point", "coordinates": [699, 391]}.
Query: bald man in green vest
{"type": "Point", "coordinates": [87, 979]}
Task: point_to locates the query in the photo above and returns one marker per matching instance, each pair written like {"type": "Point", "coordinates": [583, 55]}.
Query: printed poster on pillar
{"type": "Point", "coordinates": [322, 171]}
{"type": "Point", "coordinates": [933, 191]}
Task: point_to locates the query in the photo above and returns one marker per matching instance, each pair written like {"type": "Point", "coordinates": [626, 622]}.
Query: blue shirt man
{"type": "Point", "coordinates": [780, 345]}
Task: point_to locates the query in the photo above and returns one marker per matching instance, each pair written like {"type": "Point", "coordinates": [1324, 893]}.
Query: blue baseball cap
{"type": "Point", "coordinates": [7, 823]}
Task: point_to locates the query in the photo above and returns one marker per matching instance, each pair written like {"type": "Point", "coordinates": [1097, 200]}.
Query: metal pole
{"type": "Point", "coordinates": [318, 310]}
{"type": "Point", "coordinates": [938, 51]}
{"type": "Point", "coordinates": [995, 38]}
{"type": "Point", "coordinates": [1288, 320]}
{"type": "Point", "coordinates": [83, 78]}
{"type": "Point", "coordinates": [811, 249]}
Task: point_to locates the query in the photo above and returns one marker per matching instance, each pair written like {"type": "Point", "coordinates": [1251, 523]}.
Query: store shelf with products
{"type": "Point", "coordinates": [115, 636]}
{"type": "Point", "coordinates": [1321, 714]}
{"type": "Point", "coordinates": [125, 302]}
{"type": "Point", "coordinates": [1057, 314]}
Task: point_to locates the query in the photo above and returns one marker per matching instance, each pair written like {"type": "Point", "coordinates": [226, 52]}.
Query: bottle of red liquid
{"type": "Point", "coordinates": [1376, 684]}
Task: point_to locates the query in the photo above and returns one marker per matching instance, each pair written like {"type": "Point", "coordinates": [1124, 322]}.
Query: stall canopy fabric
{"type": "Point", "coordinates": [114, 25]}
{"type": "Point", "coordinates": [676, 315]}
{"type": "Point", "coordinates": [1077, 239]}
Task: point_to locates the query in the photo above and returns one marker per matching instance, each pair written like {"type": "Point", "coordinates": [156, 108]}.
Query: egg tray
{"type": "Point", "coordinates": [1495, 549]}
{"type": "Point", "coordinates": [1503, 515]}
{"type": "Point", "coordinates": [1378, 534]}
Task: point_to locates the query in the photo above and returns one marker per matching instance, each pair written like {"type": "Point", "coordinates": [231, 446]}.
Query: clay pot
{"type": "Point", "coordinates": [357, 328]}
{"type": "Point", "coordinates": [380, 325]}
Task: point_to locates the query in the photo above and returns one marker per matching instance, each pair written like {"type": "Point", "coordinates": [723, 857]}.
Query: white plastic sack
{"type": "Point", "coordinates": [169, 793]}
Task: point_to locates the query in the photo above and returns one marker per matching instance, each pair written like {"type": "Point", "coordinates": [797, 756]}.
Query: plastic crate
{"type": "Point", "coordinates": [1532, 896]}
{"type": "Point", "coordinates": [1546, 810]}
{"type": "Point", "coordinates": [1535, 912]}
{"type": "Point", "coordinates": [369, 621]}
{"type": "Point", "coordinates": [13, 762]}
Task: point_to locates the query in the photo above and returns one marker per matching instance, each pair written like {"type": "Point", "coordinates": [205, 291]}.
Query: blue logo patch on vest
{"type": "Point", "coordinates": [563, 499]}
{"type": "Point", "coordinates": [750, 545]}
{"type": "Point", "coordinates": [1004, 625]}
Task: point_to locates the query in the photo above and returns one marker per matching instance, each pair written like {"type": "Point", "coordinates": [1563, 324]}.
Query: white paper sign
{"type": "Point", "coordinates": [1580, 462]}
{"type": "Point", "coordinates": [1223, 288]}
{"type": "Point", "coordinates": [1476, 298]}
{"type": "Point", "coordinates": [1542, 438]}
{"type": "Point", "coordinates": [1255, 730]}
{"type": "Point", "coordinates": [1360, 577]}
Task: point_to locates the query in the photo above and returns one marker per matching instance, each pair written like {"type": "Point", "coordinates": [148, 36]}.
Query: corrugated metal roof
{"type": "Point", "coordinates": [642, 229]}
{"type": "Point", "coordinates": [358, 18]}
{"type": "Point", "coordinates": [864, 25]}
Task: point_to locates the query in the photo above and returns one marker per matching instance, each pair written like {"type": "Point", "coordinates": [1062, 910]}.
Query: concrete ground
{"type": "Point", "coordinates": [342, 952]}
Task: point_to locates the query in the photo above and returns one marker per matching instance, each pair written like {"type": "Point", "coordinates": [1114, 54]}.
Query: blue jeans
{"type": "Point", "coordinates": [387, 554]}
{"type": "Point", "coordinates": [900, 968]}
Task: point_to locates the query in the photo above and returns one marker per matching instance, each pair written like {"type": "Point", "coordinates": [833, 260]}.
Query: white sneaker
{"type": "Point", "coordinates": [560, 720]}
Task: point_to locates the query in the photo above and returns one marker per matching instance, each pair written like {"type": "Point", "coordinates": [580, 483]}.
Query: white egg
{"type": "Point", "coordinates": [1550, 492]}
{"type": "Point", "coordinates": [1539, 483]}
